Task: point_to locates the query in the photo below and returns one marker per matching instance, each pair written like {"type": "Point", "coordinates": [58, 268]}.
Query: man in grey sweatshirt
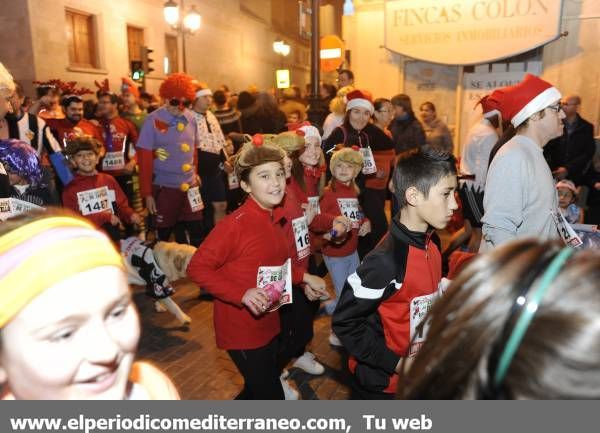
{"type": "Point", "coordinates": [520, 195]}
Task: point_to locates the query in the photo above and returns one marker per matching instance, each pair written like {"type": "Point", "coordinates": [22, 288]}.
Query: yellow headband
{"type": "Point", "coordinates": [40, 254]}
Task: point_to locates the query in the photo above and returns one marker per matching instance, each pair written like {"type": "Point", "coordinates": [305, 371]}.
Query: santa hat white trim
{"type": "Point", "coordinates": [310, 131]}
{"type": "Point", "coordinates": [541, 101]}
{"type": "Point", "coordinates": [360, 102]}
{"type": "Point", "coordinates": [491, 113]}
{"type": "Point", "coordinates": [203, 92]}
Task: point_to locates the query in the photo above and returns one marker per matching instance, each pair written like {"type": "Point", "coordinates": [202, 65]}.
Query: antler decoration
{"type": "Point", "coordinates": [104, 86]}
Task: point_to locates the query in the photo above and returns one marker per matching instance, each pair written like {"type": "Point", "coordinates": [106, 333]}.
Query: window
{"type": "Point", "coordinates": [81, 37]}
{"type": "Point", "coordinates": [135, 42]}
{"type": "Point", "coordinates": [171, 58]}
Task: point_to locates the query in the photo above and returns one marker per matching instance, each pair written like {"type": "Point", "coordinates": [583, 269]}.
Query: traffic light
{"type": "Point", "coordinates": [146, 60]}
{"type": "Point", "coordinates": [137, 70]}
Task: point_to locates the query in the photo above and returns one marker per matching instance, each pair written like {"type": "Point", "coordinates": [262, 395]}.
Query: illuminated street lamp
{"type": "Point", "coordinates": [281, 48]}
{"type": "Point", "coordinates": [348, 8]}
{"type": "Point", "coordinates": [190, 23]}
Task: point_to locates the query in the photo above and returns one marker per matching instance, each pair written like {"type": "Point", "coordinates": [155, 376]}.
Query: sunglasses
{"type": "Point", "coordinates": [174, 102]}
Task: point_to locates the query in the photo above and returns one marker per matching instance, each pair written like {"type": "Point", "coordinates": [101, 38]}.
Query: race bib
{"type": "Point", "coordinates": [2, 170]}
{"type": "Point", "coordinates": [419, 307]}
{"type": "Point", "coordinates": [313, 205]}
{"type": "Point", "coordinates": [195, 199]}
{"type": "Point", "coordinates": [233, 181]}
{"type": "Point", "coordinates": [369, 166]}
{"type": "Point", "coordinates": [277, 282]}
{"type": "Point", "coordinates": [565, 230]}
{"type": "Point", "coordinates": [300, 227]}
{"type": "Point", "coordinates": [113, 161]}
{"type": "Point", "coordinates": [94, 201]}
{"type": "Point", "coordinates": [11, 207]}
{"type": "Point", "coordinates": [349, 208]}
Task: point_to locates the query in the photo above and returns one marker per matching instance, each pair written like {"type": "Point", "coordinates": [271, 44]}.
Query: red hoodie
{"type": "Point", "coordinates": [85, 183]}
{"type": "Point", "coordinates": [226, 265]}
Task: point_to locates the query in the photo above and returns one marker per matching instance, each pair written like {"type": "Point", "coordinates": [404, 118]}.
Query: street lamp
{"type": "Point", "coordinates": [281, 48]}
{"type": "Point", "coordinates": [189, 25]}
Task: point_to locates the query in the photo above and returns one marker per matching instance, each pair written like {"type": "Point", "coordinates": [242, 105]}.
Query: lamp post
{"type": "Point", "coordinates": [316, 109]}
{"type": "Point", "coordinates": [188, 25]}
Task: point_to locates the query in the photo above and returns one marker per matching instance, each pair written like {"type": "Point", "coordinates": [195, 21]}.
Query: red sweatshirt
{"type": "Point", "coordinates": [226, 265]}
{"type": "Point", "coordinates": [299, 243]}
{"type": "Point", "coordinates": [86, 183]}
{"type": "Point", "coordinates": [322, 222]}
{"type": "Point", "coordinates": [332, 202]}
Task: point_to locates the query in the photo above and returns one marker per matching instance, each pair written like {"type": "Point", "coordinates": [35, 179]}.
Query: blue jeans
{"type": "Point", "coordinates": [340, 268]}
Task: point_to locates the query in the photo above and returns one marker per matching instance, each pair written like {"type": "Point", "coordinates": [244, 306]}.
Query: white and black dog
{"type": "Point", "coordinates": [155, 265]}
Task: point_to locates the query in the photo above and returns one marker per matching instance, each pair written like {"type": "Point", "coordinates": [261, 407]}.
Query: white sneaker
{"type": "Point", "coordinates": [159, 308]}
{"type": "Point", "coordinates": [289, 392]}
{"type": "Point", "coordinates": [308, 363]}
{"type": "Point", "coordinates": [334, 340]}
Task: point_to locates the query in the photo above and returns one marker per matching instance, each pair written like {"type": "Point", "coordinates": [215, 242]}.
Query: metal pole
{"type": "Point", "coordinates": [182, 30]}
{"type": "Point", "coordinates": [314, 49]}
{"type": "Point", "coordinates": [316, 111]}
{"type": "Point", "coordinates": [183, 50]}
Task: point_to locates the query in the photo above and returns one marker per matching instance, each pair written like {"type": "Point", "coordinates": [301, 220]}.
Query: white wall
{"type": "Point", "coordinates": [570, 63]}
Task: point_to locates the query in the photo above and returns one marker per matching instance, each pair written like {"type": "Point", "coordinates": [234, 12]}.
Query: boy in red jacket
{"type": "Point", "coordinates": [382, 304]}
{"type": "Point", "coordinates": [96, 196]}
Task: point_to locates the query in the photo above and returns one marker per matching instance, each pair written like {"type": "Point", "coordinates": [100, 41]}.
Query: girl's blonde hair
{"type": "Point", "coordinates": [349, 156]}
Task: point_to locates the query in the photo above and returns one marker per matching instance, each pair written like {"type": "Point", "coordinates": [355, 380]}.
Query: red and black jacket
{"type": "Point", "coordinates": [373, 315]}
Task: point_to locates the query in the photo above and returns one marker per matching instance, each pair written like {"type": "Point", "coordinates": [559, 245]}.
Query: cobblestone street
{"type": "Point", "coordinates": [202, 371]}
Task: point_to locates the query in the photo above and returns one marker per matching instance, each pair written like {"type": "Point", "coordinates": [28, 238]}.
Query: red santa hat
{"type": "Point", "coordinates": [521, 101]}
{"type": "Point", "coordinates": [129, 86]}
{"type": "Point", "coordinates": [490, 104]}
{"type": "Point", "coordinates": [359, 98]}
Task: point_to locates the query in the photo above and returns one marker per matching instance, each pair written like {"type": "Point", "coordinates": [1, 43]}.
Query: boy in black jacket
{"type": "Point", "coordinates": [384, 301]}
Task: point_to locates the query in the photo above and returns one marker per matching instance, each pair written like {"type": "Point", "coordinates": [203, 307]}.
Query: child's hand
{"type": "Point", "coordinates": [341, 224]}
{"type": "Point", "coordinates": [228, 167]}
{"type": "Point", "coordinates": [136, 218]}
{"type": "Point", "coordinates": [309, 212]}
{"type": "Point", "coordinates": [114, 220]}
{"type": "Point", "coordinates": [597, 185]}
{"type": "Point", "coordinates": [256, 300]}
{"type": "Point", "coordinates": [314, 287]}
{"type": "Point", "coordinates": [365, 228]}
{"type": "Point", "coordinates": [130, 167]}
